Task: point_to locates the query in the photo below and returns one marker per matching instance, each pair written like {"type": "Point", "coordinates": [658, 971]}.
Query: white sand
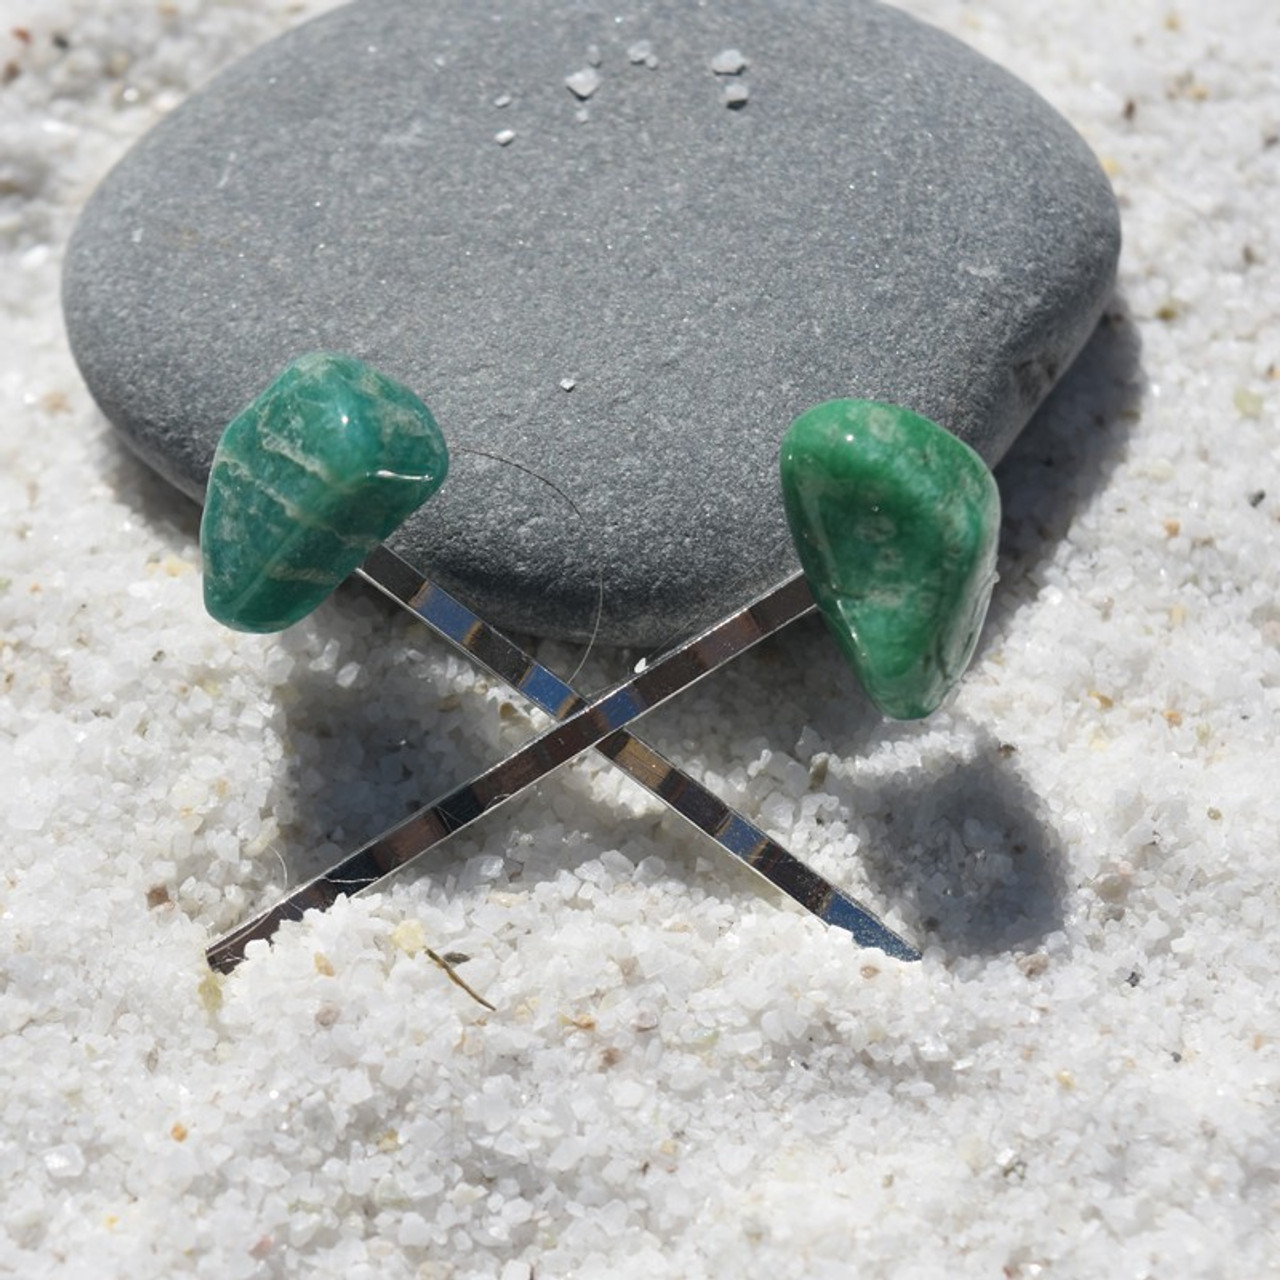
{"type": "Point", "coordinates": [683, 1078]}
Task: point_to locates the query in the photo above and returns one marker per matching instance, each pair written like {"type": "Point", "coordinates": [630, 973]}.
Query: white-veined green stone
{"type": "Point", "coordinates": [320, 468]}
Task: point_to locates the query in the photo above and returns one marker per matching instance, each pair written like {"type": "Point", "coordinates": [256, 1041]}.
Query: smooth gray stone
{"type": "Point", "coordinates": [889, 215]}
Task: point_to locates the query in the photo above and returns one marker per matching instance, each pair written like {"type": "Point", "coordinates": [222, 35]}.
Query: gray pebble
{"type": "Point", "coordinates": [892, 216]}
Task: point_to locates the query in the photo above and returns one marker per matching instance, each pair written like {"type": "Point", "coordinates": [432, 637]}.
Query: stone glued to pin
{"type": "Point", "coordinates": [895, 522]}
{"type": "Point", "coordinates": [328, 461]}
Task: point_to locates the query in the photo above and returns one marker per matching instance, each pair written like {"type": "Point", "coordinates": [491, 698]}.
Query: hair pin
{"type": "Point", "coordinates": [895, 523]}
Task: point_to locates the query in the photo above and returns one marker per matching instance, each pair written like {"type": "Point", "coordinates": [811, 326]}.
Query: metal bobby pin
{"type": "Point", "coordinates": [599, 724]}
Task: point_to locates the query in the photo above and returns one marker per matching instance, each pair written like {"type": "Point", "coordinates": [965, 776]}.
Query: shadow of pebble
{"type": "Point", "coordinates": [967, 857]}
{"type": "Point", "coordinates": [1064, 457]}
{"type": "Point", "coordinates": [164, 509]}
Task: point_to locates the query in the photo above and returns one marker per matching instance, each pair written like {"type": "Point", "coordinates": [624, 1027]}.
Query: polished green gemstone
{"type": "Point", "coordinates": [317, 471]}
{"type": "Point", "coordinates": [895, 521]}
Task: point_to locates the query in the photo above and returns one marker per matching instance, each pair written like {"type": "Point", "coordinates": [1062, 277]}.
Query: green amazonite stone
{"type": "Point", "coordinates": [317, 471]}
{"type": "Point", "coordinates": [895, 521]}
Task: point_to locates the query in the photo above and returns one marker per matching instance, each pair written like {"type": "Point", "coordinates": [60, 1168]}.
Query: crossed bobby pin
{"type": "Point", "coordinates": [895, 522]}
